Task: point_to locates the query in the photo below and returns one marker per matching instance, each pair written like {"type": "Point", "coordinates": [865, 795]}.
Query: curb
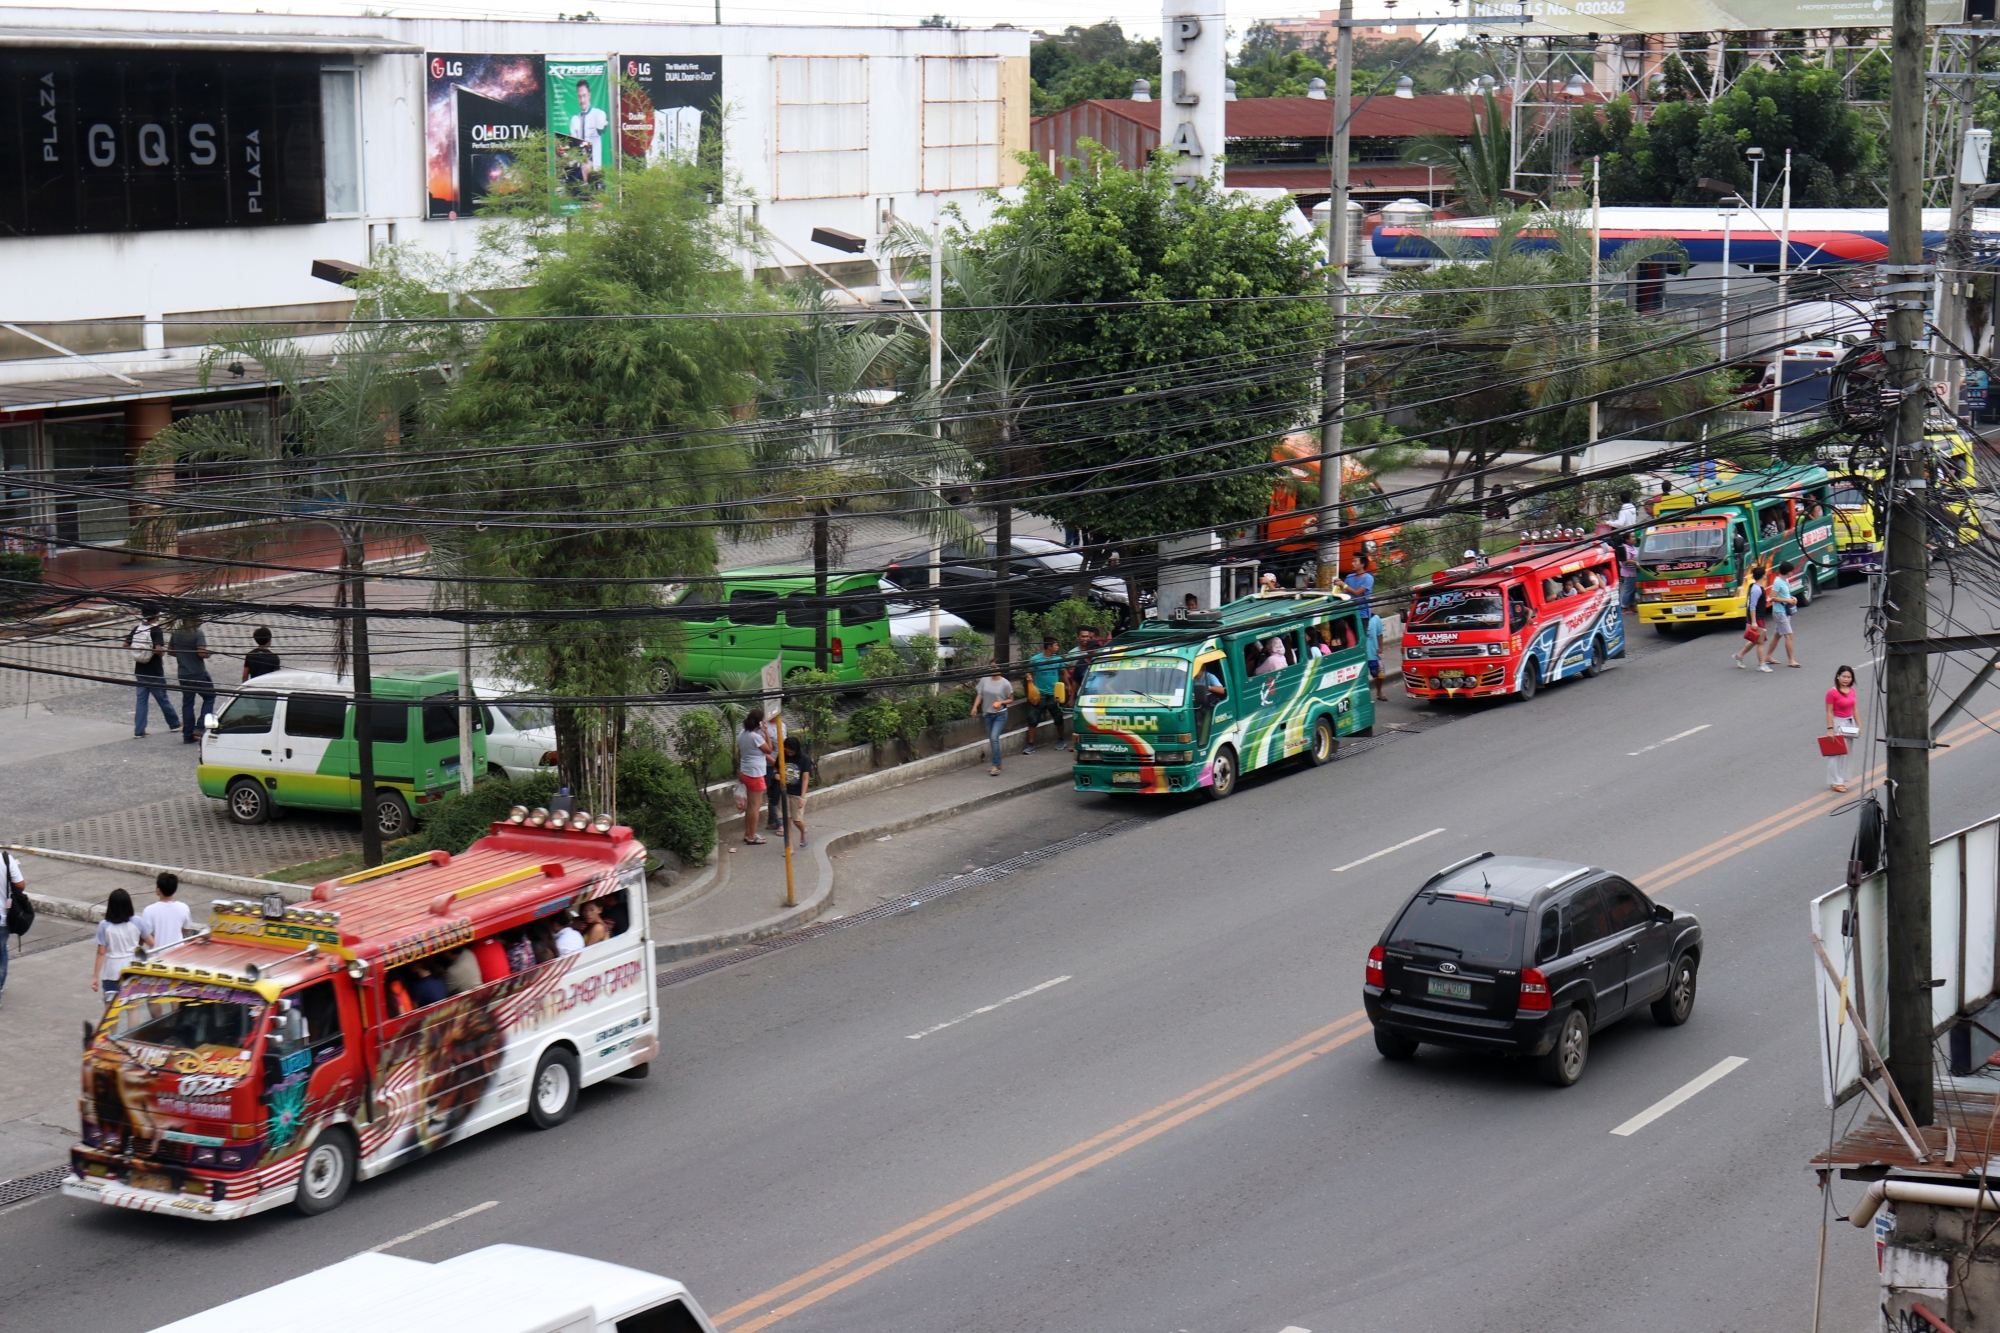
{"type": "Point", "coordinates": [205, 879]}
{"type": "Point", "coordinates": [822, 894]}
{"type": "Point", "coordinates": [67, 908]}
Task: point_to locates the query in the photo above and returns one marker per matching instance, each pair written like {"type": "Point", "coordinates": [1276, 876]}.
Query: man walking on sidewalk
{"type": "Point", "coordinates": [260, 661]}
{"type": "Point", "coordinates": [165, 921]}
{"type": "Point", "coordinates": [11, 883]}
{"type": "Point", "coordinates": [1044, 672]}
{"type": "Point", "coordinates": [149, 669]}
{"type": "Point", "coordinates": [189, 646]}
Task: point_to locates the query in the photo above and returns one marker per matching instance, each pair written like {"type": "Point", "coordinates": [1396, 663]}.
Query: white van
{"type": "Point", "coordinates": [500, 1289]}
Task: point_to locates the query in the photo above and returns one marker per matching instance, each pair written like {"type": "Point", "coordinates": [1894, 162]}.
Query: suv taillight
{"type": "Point", "coordinates": [836, 649]}
{"type": "Point", "coordinates": [1375, 966]}
{"type": "Point", "coordinates": [1534, 989]}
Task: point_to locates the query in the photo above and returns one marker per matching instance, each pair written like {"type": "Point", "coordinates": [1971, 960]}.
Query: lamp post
{"type": "Point", "coordinates": [1729, 207]}
{"type": "Point", "coordinates": [1756, 156]}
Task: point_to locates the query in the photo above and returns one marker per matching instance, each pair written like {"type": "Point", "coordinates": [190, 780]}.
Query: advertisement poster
{"type": "Point", "coordinates": [583, 154]}
{"type": "Point", "coordinates": [667, 105]}
{"type": "Point", "coordinates": [1580, 17]}
{"type": "Point", "coordinates": [477, 108]}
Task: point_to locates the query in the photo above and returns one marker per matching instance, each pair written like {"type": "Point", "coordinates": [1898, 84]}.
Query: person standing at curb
{"type": "Point", "coordinates": [260, 661]}
{"type": "Point", "coordinates": [799, 771]}
{"type": "Point", "coordinates": [1840, 723]}
{"type": "Point", "coordinates": [1044, 674]}
{"type": "Point", "coordinates": [189, 646]}
{"type": "Point", "coordinates": [991, 698]}
{"type": "Point", "coordinates": [148, 643]}
{"type": "Point", "coordinates": [1372, 635]}
{"type": "Point", "coordinates": [19, 911]}
{"type": "Point", "coordinates": [1362, 585]}
{"type": "Point", "coordinates": [753, 754]}
{"type": "Point", "coordinates": [1784, 600]}
{"type": "Point", "coordinates": [165, 921]}
{"type": "Point", "coordinates": [1628, 569]}
{"type": "Point", "coordinates": [118, 937]}
{"type": "Point", "coordinates": [1753, 620]}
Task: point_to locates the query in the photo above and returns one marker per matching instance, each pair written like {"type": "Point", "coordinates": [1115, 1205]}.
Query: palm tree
{"type": "Point", "coordinates": [1479, 165]}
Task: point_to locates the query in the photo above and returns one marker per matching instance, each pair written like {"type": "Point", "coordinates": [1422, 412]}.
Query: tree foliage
{"type": "Point", "coordinates": [1081, 63]}
{"type": "Point", "coordinates": [1479, 164]}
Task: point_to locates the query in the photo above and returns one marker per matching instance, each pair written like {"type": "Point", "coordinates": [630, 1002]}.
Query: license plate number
{"type": "Point", "coordinates": [1684, 610]}
{"type": "Point", "coordinates": [1125, 779]}
{"type": "Point", "coordinates": [1445, 989]}
{"type": "Point", "coordinates": [152, 1180]}
{"type": "Point", "coordinates": [1452, 674]}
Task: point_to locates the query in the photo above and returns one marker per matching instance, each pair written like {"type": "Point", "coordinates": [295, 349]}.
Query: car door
{"type": "Point", "coordinates": [242, 740]}
{"type": "Point", "coordinates": [313, 753]}
{"type": "Point", "coordinates": [1596, 966]}
{"type": "Point", "coordinates": [750, 641]}
{"type": "Point", "coordinates": [1646, 941]}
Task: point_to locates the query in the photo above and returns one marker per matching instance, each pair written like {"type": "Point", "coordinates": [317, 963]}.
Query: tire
{"type": "Point", "coordinates": [1663, 629]}
{"type": "Point", "coordinates": [1672, 1009]}
{"type": "Point", "coordinates": [495, 771]}
{"type": "Point", "coordinates": [1222, 775]}
{"type": "Point", "coordinates": [392, 814]}
{"type": "Point", "coordinates": [665, 678]}
{"type": "Point", "coordinates": [553, 1091]}
{"type": "Point", "coordinates": [1596, 666]}
{"type": "Point", "coordinates": [327, 1174]}
{"type": "Point", "coordinates": [1394, 1045]}
{"type": "Point", "coordinates": [1323, 742]}
{"type": "Point", "coordinates": [248, 802]}
{"type": "Point", "coordinates": [1564, 1063]}
{"type": "Point", "coordinates": [1531, 680]}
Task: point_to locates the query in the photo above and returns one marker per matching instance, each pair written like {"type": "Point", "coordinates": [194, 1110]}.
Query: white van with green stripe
{"type": "Point", "coordinates": [287, 741]}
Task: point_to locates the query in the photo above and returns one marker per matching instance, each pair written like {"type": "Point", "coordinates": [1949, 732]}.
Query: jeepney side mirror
{"type": "Point", "coordinates": [1738, 543]}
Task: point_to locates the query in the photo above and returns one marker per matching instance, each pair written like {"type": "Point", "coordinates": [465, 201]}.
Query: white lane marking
{"type": "Point", "coordinates": [435, 1226]}
{"type": "Point", "coordinates": [1677, 736]}
{"type": "Point", "coordinates": [1679, 1095]}
{"type": "Point", "coordinates": [986, 1009]}
{"type": "Point", "coordinates": [1407, 842]}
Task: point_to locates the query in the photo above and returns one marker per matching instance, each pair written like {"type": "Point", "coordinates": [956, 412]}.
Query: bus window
{"type": "Point", "coordinates": [1519, 613]}
{"type": "Point", "coordinates": [1459, 608]}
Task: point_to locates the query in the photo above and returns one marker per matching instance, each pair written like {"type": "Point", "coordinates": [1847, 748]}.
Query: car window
{"type": "Point", "coordinates": [441, 723]}
{"type": "Point", "coordinates": [248, 714]}
{"type": "Point", "coordinates": [754, 606]}
{"type": "Point", "coordinates": [804, 610]}
{"type": "Point", "coordinates": [389, 722]}
{"type": "Point", "coordinates": [1624, 905]}
{"type": "Point", "coordinates": [1548, 940]}
{"type": "Point", "coordinates": [861, 609]}
{"type": "Point", "coordinates": [322, 715]}
{"type": "Point", "coordinates": [1582, 919]}
{"type": "Point", "coordinates": [1474, 930]}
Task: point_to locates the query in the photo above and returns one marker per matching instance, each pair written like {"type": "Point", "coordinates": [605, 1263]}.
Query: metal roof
{"type": "Point", "coordinates": [1960, 1147]}
{"type": "Point", "coordinates": [362, 44]}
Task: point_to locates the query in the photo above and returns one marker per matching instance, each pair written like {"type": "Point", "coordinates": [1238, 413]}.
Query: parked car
{"type": "Point", "coordinates": [520, 737]}
{"type": "Point", "coordinates": [908, 618]}
{"type": "Point", "coordinates": [1527, 957]}
{"type": "Point", "coordinates": [1041, 574]}
{"type": "Point", "coordinates": [742, 619]}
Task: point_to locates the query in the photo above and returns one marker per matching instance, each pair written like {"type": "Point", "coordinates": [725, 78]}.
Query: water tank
{"type": "Point", "coordinates": [1406, 213]}
{"type": "Point", "coordinates": [1355, 214]}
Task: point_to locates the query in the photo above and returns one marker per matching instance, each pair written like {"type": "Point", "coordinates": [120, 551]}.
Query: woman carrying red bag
{"type": "Point", "coordinates": [1841, 728]}
{"type": "Point", "coordinates": [1756, 596]}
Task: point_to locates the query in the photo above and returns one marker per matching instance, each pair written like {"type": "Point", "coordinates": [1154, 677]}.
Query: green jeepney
{"type": "Point", "coordinates": [1695, 558]}
{"type": "Point", "coordinates": [1149, 718]}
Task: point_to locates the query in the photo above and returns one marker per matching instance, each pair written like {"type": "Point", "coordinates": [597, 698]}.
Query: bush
{"type": "Point", "coordinates": [665, 809]}
{"type": "Point", "coordinates": [973, 650]}
{"type": "Point", "coordinates": [876, 722]}
{"type": "Point", "coordinates": [18, 569]}
{"type": "Point", "coordinates": [948, 706]}
{"type": "Point", "coordinates": [1063, 620]}
{"type": "Point", "coordinates": [457, 822]}
{"type": "Point", "coordinates": [882, 662]}
{"type": "Point", "coordinates": [912, 717]}
{"type": "Point", "coordinates": [815, 708]}
{"type": "Point", "coordinates": [698, 740]}
{"type": "Point", "coordinates": [923, 653]}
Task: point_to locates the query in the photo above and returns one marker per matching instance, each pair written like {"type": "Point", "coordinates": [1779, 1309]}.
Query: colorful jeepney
{"type": "Point", "coordinates": [1512, 623]}
{"type": "Point", "coordinates": [291, 1049]}
{"type": "Point", "coordinates": [1955, 476]}
{"type": "Point", "coordinates": [1694, 562]}
{"type": "Point", "coordinates": [1194, 702]}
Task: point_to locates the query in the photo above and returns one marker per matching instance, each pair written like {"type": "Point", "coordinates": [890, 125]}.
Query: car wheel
{"type": "Point", "coordinates": [1672, 1009]}
{"type": "Point", "coordinates": [1806, 588]}
{"type": "Point", "coordinates": [552, 1095]}
{"type": "Point", "coordinates": [1596, 667]}
{"type": "Point", "coordinates": [1394, 1045]}
{"type": "Point", "coordinates": [1323, 742]}
{"type": "Point", "coordinates": [392, 814]}
{"type": "Point", "coordinates": [327, 1174]}
{"type": "Point", "coordinates": [664, 678]}
{"type": "Point", "coordinates": [1222, 775]}
{"type": "Point", "coordinates": [1531, 680]}
{"type": "Point", "coordinates": [495, 771]}
{"type": "Point", "coordinates": [248, 801]}
{"type": "Point", "coordinates": [1564, 1063]}
{"type": "Point", "coordinates": [1663, 629]}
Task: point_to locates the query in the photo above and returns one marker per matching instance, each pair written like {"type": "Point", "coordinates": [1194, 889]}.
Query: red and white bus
{"type": "Point", "coordinates": [1487, 628]}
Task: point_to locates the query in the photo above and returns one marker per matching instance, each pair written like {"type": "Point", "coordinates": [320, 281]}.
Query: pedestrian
{"type": "Point", "coordinates": [1373, 634]}
{"type": "Point", "coordinates": [1840, 724]}
{"type": "Point", "coordinates": [1044, 686]}
{"type": "Point", "coordinates": [1666, 489]}
{"type": "Point", "coordinates": [1753, 617]}
{"type": "Point", "coordinates": [1784, 600]}
{"type": "Point", "coordinates": [1087, 648]}
{"type": "Point", "coordinates": [260, 661]}
{"type": "Point", "coordinates": [799, 773]}
{"type": "Point", "coordinates": [19, 913]}
{"type": "Point", "coordinates": [1628, 576]}
{"type": "Point", "coordinates": [148, 643]}
{"type": "Point", "coordinates": [1362, 584]}
{"type": "Point", "coordinates": [1628, 510]}
{"type": "Point", "coordinates": [991, 698]}
{"type": "Point", "coordinates": [189, 646]}
{"type": "Point", "coordinates": [118, 937]}
{"type": "Point", "coordinates": [165, 921]}
{"type": "Point", "coordinates": [753, 755]}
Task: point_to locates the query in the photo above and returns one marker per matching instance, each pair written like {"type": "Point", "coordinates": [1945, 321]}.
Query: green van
{"type": "Point", "coordinates": [287, 740]}
{"type": "Point", "coordinates": [738, 622]}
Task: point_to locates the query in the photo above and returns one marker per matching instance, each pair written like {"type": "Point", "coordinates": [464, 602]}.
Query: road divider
{"type": "Point", "coordinates": [438, 1225]}
{"type": "Point", "coordinates": [1407, 842]}
{"type": "Point", "coordinates": [1677, 736]}
{"type": "Point", "coordinates": [987, 1009]}
{"type": "Point", "coordinates": [1715, 1074]}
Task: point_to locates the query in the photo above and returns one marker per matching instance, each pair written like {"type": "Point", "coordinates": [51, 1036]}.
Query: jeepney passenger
{"type": "Point", "coordinates": [595, 928]}
{"type": "Point", "coordinates": [460, 971]}
{"type": "Point", "coordinates": [520, 953]}
{"type": "Point", "coordinates": [427, 987]}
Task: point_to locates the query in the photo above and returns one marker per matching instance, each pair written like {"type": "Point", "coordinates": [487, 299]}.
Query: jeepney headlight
{"type": "Point", "coordinates": [1173, 756]}
{"type": "Point", "coordinates": [518, 815]}
{"type": "Point", "coordinates": [1415, 654]}
{"type": "Point", "coordinates": [1647, 595]}
{"type": "Point", "coordinates": [232, 1157]}
{"type": "Point", "coordinates": [204, 1156]}
{"type": "Point", "coordinates": [601, 824]}
{"type": "Point", "coordinates": [537, 817]}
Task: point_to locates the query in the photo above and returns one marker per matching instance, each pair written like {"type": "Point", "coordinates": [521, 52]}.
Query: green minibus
{"type": "Point", "coordinates": [741, 620]}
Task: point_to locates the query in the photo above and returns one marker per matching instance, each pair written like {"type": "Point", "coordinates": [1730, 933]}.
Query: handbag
{"type": "Point", "coordinates": [1034, 695]}
{"type": "Point", "coordinates": [1832, 746]}
{"type": "Point", "coordinates": [1752, 632]}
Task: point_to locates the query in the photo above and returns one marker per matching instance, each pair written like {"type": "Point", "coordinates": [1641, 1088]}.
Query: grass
{"type": "Point", "coordinates": [330, 867]}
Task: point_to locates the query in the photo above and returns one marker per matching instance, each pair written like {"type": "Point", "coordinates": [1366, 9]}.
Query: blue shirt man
{"type": "Point", "coordinates": [1362, 584]}
{"type": "Point", "coordinates": [1044, 670]}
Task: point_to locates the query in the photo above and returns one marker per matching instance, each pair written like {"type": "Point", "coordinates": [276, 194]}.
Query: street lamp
{"type": "Point", "coordinates": [1729, 205]}
{"type": "Point", "coordinates": [1574, 88]}
{"type": "Point", "coordinates": [1756, 156]}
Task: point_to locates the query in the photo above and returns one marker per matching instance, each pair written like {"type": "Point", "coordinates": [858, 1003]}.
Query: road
{"type": "Point", "coordinates": [1193, 1131]}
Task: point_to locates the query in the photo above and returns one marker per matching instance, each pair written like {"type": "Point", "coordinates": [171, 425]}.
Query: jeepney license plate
{"type": "Point", "coordinates": [1453, 673]}
{"type": "Point", "coordinates": [1450, 990]}
{"type": "Point", "coordinates": [1685, 610]}
{"type": "Point", "coordinates": [1125, 779]}
{"type": "Point", "coordinates": [152, 1180]}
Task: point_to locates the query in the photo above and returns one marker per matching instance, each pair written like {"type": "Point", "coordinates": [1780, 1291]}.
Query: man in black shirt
{"type": "Point", "coordinates": [148, 643]}
{"type": "Point", "coordinates": [260, 661]}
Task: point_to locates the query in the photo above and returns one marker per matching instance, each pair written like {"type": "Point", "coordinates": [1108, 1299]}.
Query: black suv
{"type": "Point", "coordinates": [1527, 957]}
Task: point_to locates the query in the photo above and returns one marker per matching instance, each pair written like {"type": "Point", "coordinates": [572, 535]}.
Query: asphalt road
{"type": "Point", "coordinates": [1193, 1131]}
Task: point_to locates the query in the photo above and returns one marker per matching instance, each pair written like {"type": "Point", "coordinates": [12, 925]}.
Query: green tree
{"type": "Point", "coordinates": [1082, 63]}
{"type": "Point", "coordinates": [608, 421]}
{"type": "Point", "coordinates": [1480, 164]}
{"type": "Point", "coordinates": [1286, 73]}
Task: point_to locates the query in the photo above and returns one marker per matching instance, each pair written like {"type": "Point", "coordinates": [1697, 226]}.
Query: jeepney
{"type": "Point", "coordinates": [1695, 558]}
{"type": "Point", "coordinates": [1512, 623]}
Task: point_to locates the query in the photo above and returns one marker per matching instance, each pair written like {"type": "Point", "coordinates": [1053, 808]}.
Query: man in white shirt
{"type": "Point", "coordinates": [588, 125]}
{"type": "Point", "coordinates": [165, 921]}
{"type": "Point", "coordinates": [568, 939]}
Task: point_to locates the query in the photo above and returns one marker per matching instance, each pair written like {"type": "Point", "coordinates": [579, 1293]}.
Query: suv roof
{"type": "Point", "coordinates": [1509, 878]}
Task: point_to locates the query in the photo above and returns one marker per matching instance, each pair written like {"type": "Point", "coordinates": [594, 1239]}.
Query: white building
{"type": "Point", "coordinates": [162, 174]}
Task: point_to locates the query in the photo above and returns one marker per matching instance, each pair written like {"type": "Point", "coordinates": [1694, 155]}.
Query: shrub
{"type": "Point", "coordinates": [912, 717]}
{"type": "Point", "coordinates": [973, 650]}
{"type": "Point", "coordinates": [815, 707]}
{"type": "Point", "coordinates": [18, 570]}
{"type": "Point", "coordinates": [663, 805]}
{"type": "Point", "coordinates": [876, 722]}
{"type": "Point", "coordinates": [948, 706]}
{"type": "Point", "coordinates": [457, 822]}
{"type": "Point", "coordinates": [698, 740]}
{"type": "Point", "coordinates": [1063, 620]}
{"type": "Point", "coordinates": [882, 662]}
{"type": "Point", "coordinates": [923, 653]}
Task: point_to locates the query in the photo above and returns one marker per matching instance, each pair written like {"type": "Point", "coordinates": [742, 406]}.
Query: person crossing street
{"type": "Point", "coordinates": [148, 643]}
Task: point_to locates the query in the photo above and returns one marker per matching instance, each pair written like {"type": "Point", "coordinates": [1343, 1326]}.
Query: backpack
{"type": "Point", "coordinates": [20, 907]}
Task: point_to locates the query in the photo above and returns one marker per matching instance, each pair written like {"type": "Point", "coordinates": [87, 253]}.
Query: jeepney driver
{"type": "Point", "coordinates": [1210, 692]}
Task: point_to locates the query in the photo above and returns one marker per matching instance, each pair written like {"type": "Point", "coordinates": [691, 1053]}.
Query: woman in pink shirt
{"type": "Point", "coordinates": [1840, 722]}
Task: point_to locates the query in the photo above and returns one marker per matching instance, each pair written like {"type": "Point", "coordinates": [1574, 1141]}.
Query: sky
{"type": "Point", "coordinates": [1048, 15]}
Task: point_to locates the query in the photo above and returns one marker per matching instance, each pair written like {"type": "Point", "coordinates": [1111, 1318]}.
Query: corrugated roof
{"type": "Point", "coordinates": [1959, 1146]}
{"type": "Point", "coordinates": [1310, 117]}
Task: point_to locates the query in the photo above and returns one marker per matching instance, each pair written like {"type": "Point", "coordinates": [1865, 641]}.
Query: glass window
{"type": "Point", "coordinates": [186, 1015]}
{"type": "Point", "coordinates": [1476, 930]}
{"type": "Point", "coordinates": [248, 715]}
{"type": "Point", "coordinates": [321, 715]}
{"type": "Point", "coordinates": [1458, 608]}
{"type": "Point", "coordinates": [862, 610]}
{"type": "Point", "coordinates": [673, 1317]}
{"type": "Point", "coordinates": [1582, 919]}
{"type": "Point", "coordinates": [1156, 680]}
{"type": "Point", "coordinates": [1548, 943]}
{"type": "Point", "coordinates": [389, 723]}
{"type": "Point", "coordinates": [89, 452]}
{"type": "Point", "coordinates": [1624, 905]}
{"type": "Point", "coordinates": [1699, 542]}
{"type": "Point", "coordinates": [321, 1008]}
{"type": "Point", "coordinates": [527, 717]}
{"type": "Point", "coordinates": [754, 606]}
{"type": "Point", "coordinates": [441, 722]}
{"type": "Point", "coordinates": [340, 114]}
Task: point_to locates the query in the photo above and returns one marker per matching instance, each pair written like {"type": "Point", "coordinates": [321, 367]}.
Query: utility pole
{"type": "Point", "coordinates": [937, 382]}
{"type": "Point", "coordinates": [1903, 296]}
{"type": "Point", "coordinates": [364, 731]}
{"type": "Point", "coordinates": [1955, 282]}
{"type": "Point", "coordinates": [1333, 388]}
{"type": "Point", "coordinates": [1784, 297]}
{"type": "Point", "coordinates": [465, 774]}
{"type": "Point", "coordinates": [1596, 248]}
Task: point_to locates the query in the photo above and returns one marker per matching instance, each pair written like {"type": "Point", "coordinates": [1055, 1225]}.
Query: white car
{"type": "Point", "coordinates": [520, 737]}
{"type": "Point", "coordinates": [907, 620]}
{"type": "Point", "coordinates": [1108, 588]}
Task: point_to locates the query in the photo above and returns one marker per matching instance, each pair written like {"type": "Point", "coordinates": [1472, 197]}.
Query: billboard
{"type": "Point", "coordinates": [477, 108]}
{"type": "Point", "coordinates": [583, 147]}
{"type": "Point", "coordinates": [112, 141]}
{"type": "Point", "coordinates": [666, 105]}
{"type": "Point", "coordinates": [1615, 18]}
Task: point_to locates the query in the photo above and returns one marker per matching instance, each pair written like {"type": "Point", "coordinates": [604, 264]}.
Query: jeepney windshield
{"type": "Point", "coordinates": [1135, 682]}
{"type": "Point", "coordinates": [1460, 608]}
{"type": "Point", "coordinates": [1699, 541]}
{"type": "Point", "coordinates": [1849, 497]}
{"type": "Point", "coordinates": [185, 1015]}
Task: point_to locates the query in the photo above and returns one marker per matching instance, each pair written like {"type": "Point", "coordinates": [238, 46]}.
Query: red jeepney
{"type": "Point", "coordinates": [289, 1050]}
{"type": "Point", "coordinates": [1487, 628]}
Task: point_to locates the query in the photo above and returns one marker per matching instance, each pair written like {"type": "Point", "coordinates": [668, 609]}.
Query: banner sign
{"type": "Point", "coordinates": [666, 104]}
{"type": "Point", "coordinates": [476, 109]}
{"type": "Point", "coordinates": [1622, 17]}
{"type": "Point", "coordinates": [109, 141]}
{"type": "Point", "coordinates": [582, 147]}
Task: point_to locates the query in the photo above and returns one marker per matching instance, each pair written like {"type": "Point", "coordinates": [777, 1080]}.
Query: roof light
{"type": "Point", "coordinates": [580, 820]}
{"type": "Point", "coordinates": [558, 819]}
{"type": "Point", "coordinates": [518, 815]}
{"type": "Point", "coordinates": [601, 824]}
{"type": "Point", "coordinates": [537, 817]}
